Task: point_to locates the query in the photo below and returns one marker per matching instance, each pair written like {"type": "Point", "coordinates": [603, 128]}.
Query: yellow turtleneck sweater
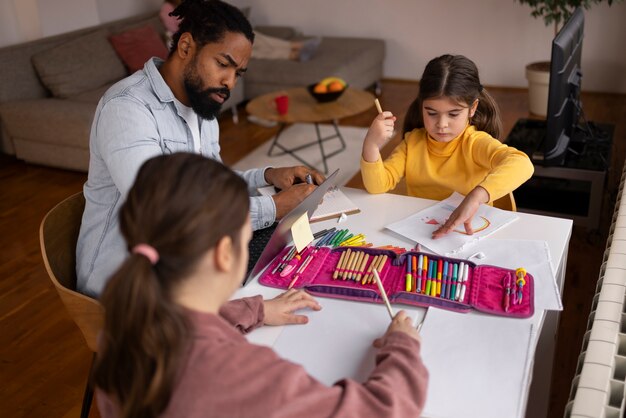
{"type": "Point", "coordinates": [434, 170]}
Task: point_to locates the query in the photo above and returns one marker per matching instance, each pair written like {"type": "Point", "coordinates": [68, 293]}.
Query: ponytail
{"type": "Point", "coordinates": [487, 115]}
{"type": "Point", "coordinates": [143, 341]}
{"type": "Point", "coordinates": [170, 220]}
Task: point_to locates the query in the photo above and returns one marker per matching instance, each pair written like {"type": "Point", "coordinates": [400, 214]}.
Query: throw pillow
{"type": "Point", "coordinates": [138, 45]}
{"type": "Point", "coordinates": [80, 65]}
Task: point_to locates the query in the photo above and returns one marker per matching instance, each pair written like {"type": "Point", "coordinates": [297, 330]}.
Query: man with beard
{"type": "Point", "coordinates": [171, 107]}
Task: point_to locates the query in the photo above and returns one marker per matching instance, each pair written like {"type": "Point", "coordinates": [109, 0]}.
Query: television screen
{"type": "Point", "coordinates": [564, 91]}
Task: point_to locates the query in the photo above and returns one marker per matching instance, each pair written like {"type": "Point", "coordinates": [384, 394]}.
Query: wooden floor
{"type": "Point", "coordinates": [43, 359]}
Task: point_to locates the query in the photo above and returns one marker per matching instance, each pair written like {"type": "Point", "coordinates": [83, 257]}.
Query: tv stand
{"type": "Point", "coordinates": [574, 189]}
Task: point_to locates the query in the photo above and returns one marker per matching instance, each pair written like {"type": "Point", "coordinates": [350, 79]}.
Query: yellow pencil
{"type": "Point", "coordinates": [339, 264]}
{"type": "Point", "coordinates": [362, 267]}
{"type": "Point", "coordinates": [369, 269]}
{"type": "Point", "coordinates": [357, 263]}
{"type": "Point", "coordinates": [381, 264]}
{"type": "Point", "coordinates": [349, 241]}
{"type": "Point", "coordinates": [350, 261]}
{"type": "Point", "coordinates": [377, 103]}
{"type": "Point", "coordinates": [383, 294]}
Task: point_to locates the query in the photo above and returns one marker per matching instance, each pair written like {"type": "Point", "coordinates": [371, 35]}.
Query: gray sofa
{"type": "Point", "coordinates": [50, 125]}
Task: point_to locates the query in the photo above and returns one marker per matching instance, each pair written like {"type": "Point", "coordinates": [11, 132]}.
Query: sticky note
{"type": "Point", "coordinates": [301, 232]}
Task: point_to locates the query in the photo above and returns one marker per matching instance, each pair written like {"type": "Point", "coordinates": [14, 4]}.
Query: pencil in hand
{"type": "Point", "coordinates": [383, 293]}
{"type": "Point", "coordinates": [378, 107]}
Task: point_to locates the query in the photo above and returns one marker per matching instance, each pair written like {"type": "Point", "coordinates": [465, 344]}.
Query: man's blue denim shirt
{"type": "Point", "coordinates": [135, 120]}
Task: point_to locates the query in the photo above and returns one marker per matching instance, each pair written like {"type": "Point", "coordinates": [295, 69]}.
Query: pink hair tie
{"type": "Point", "coordinates": [147, 251]}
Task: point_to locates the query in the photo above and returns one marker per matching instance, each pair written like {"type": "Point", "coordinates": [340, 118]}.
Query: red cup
{"type": "Point", "coordinates": [282, 104]}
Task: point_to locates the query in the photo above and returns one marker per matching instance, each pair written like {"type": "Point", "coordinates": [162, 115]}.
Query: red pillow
{"type": "Point", "coordinates": [136, 46]}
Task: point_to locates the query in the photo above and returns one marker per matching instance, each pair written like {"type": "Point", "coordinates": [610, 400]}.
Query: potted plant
{"type": "Point", "coordinates": [554, 12]}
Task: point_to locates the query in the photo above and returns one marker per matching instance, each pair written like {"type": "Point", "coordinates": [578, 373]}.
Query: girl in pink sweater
{"type": "Point", "coordinates": [172, 343]}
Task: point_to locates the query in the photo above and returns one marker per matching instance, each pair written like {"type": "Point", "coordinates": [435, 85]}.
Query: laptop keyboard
{"type": "Point", "coordinates": [257, 244]}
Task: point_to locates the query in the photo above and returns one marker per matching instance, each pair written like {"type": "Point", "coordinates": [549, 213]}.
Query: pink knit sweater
{"type": "Point", "coordinates": [226, 376]}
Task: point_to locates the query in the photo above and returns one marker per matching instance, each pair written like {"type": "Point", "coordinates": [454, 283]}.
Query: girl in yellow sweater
{"type": "Point", "coordinates": [449, 144]}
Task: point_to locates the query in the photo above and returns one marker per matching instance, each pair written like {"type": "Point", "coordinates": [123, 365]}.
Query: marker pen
{"type": "Point", "coordinates": [433, 284]}
{"type": "Point", "coordinates": [444, 280]}
{"type": "Point", "coordinates": [407, 284]}
{"type": "Point", "coordinates": [464, 285]}
{"type": "Point", "coordinates": [425, 274]}
{"type": "Point", "coordinates": [420, 265]}
{"type": "Point", "coordinates": [413, 270]}
{"type": "Point", "coordinates": [429, 277]}
{"type": "Point", "coordinates": [455, 273]}
{"type": "Point", "coordinates": [459, 281]}
{"type": "Point", "coordinates": [439, 273]}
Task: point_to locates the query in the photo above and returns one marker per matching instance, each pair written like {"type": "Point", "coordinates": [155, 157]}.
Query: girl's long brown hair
{"type": "Point", "coordinates": [182, 205]}
{"type": "Point", "coordinates": [455, 76]}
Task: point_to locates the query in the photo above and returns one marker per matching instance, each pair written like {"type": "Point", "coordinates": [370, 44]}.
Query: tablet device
{"type": "Point", "coordinates": [282, 233]}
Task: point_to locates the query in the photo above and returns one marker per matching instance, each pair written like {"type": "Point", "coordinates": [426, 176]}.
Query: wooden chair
{"type": "Point", "coordinates": [506, 202]}
{"type": "Point", "coordinates": [58, 235]}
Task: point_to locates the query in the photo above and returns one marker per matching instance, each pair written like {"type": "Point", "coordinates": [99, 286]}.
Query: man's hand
{"type": "Point", "coordinates": [280, 310]}
{"type": "Point", "coordinates": [291, 197]}
{"type": "Point", "coordinates": [464, 213]}
{"type": "Point", "coordinates": [284, 177]}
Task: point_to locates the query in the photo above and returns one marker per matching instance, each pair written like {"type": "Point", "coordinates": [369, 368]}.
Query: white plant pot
{"type": "Point", "coordinates": [538, 76]}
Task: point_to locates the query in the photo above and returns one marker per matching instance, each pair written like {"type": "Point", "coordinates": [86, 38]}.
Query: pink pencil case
{"type": "Point", "coordinates": [485, 287]}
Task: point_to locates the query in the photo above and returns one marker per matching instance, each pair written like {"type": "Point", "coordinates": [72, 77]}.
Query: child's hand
{"type": "Point", "coordinates": [280, 310]}
{"type": "Point", "coordinates": [378, 134]}
{"type": "Point", "coordinates": [464, 213]}
{"type": "Point", "coordinates": [401, 323]}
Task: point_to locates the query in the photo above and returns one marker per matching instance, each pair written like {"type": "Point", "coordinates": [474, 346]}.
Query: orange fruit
{"type": "Point", "coordinates": [335, 86]}
{"type": "Point", "coordinates": [320, 88]}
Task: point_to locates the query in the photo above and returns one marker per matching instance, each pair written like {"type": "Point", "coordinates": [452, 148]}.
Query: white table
{"type": "Point", "coordinates": [380, 210]}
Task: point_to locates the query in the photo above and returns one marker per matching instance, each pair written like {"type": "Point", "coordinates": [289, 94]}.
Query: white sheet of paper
{"type": "Point", "coordinates": [343, 330]}
{"type": "Point", "coordinates": [534, 256]}
{"type": "Point", "coordinates": [420, 226]}
{"type": "Point", "coordinates": [480, 376]}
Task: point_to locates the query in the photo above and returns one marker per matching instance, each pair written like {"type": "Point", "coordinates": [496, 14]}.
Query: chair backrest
{"type": "Point", "coordinates": [506, 202]}
{"type": "Point", "coordinates": [58, 235]}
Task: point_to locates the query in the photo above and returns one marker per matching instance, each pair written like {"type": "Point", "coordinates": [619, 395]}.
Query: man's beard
{"type": "Point", "coordinates": [201, 101]}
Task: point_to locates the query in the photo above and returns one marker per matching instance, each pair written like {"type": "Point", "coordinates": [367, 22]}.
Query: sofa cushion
{"type": "Point", "coordinates": [91, 96]}
{"type": "Point", "coordinates": [50, 121]}
{"type": "Point", "coordinates": [347, 58]}
{"type": "Point", "coordinates": [282, 32]}
{"type": "Point", "coordinates": [79, 65]}
{"type": "Point", "coordinates": [136, 46]}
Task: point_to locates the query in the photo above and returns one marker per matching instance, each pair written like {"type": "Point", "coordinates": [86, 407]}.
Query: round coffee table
{"type": "Point", "coordinates": [303, 108]}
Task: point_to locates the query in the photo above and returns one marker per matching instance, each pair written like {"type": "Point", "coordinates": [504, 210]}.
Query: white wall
{"type": "Point", "coordinates": [19, 21]}
{"type": "Point", "coordinates": [499, 35]}
{"type": "Point", "coordinates": [58, 16]}
{"type": "Point", "coordinates": [25, 20]}
{"type": "Point", "coordinates": [110, 10]}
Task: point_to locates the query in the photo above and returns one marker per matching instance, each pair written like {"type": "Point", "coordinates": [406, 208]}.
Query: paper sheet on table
{"type": "Point", "coordinates": [420, 226]}
{"type": "Point", "coordinates": [492, 376]}
{"type": "Point", "coordinates": [343, 331]}
{"type": "Point", "coordinates": [534, 256]}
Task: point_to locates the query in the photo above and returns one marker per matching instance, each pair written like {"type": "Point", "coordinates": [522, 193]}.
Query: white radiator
{"type": "Point", "coordinates": [598, 388]}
